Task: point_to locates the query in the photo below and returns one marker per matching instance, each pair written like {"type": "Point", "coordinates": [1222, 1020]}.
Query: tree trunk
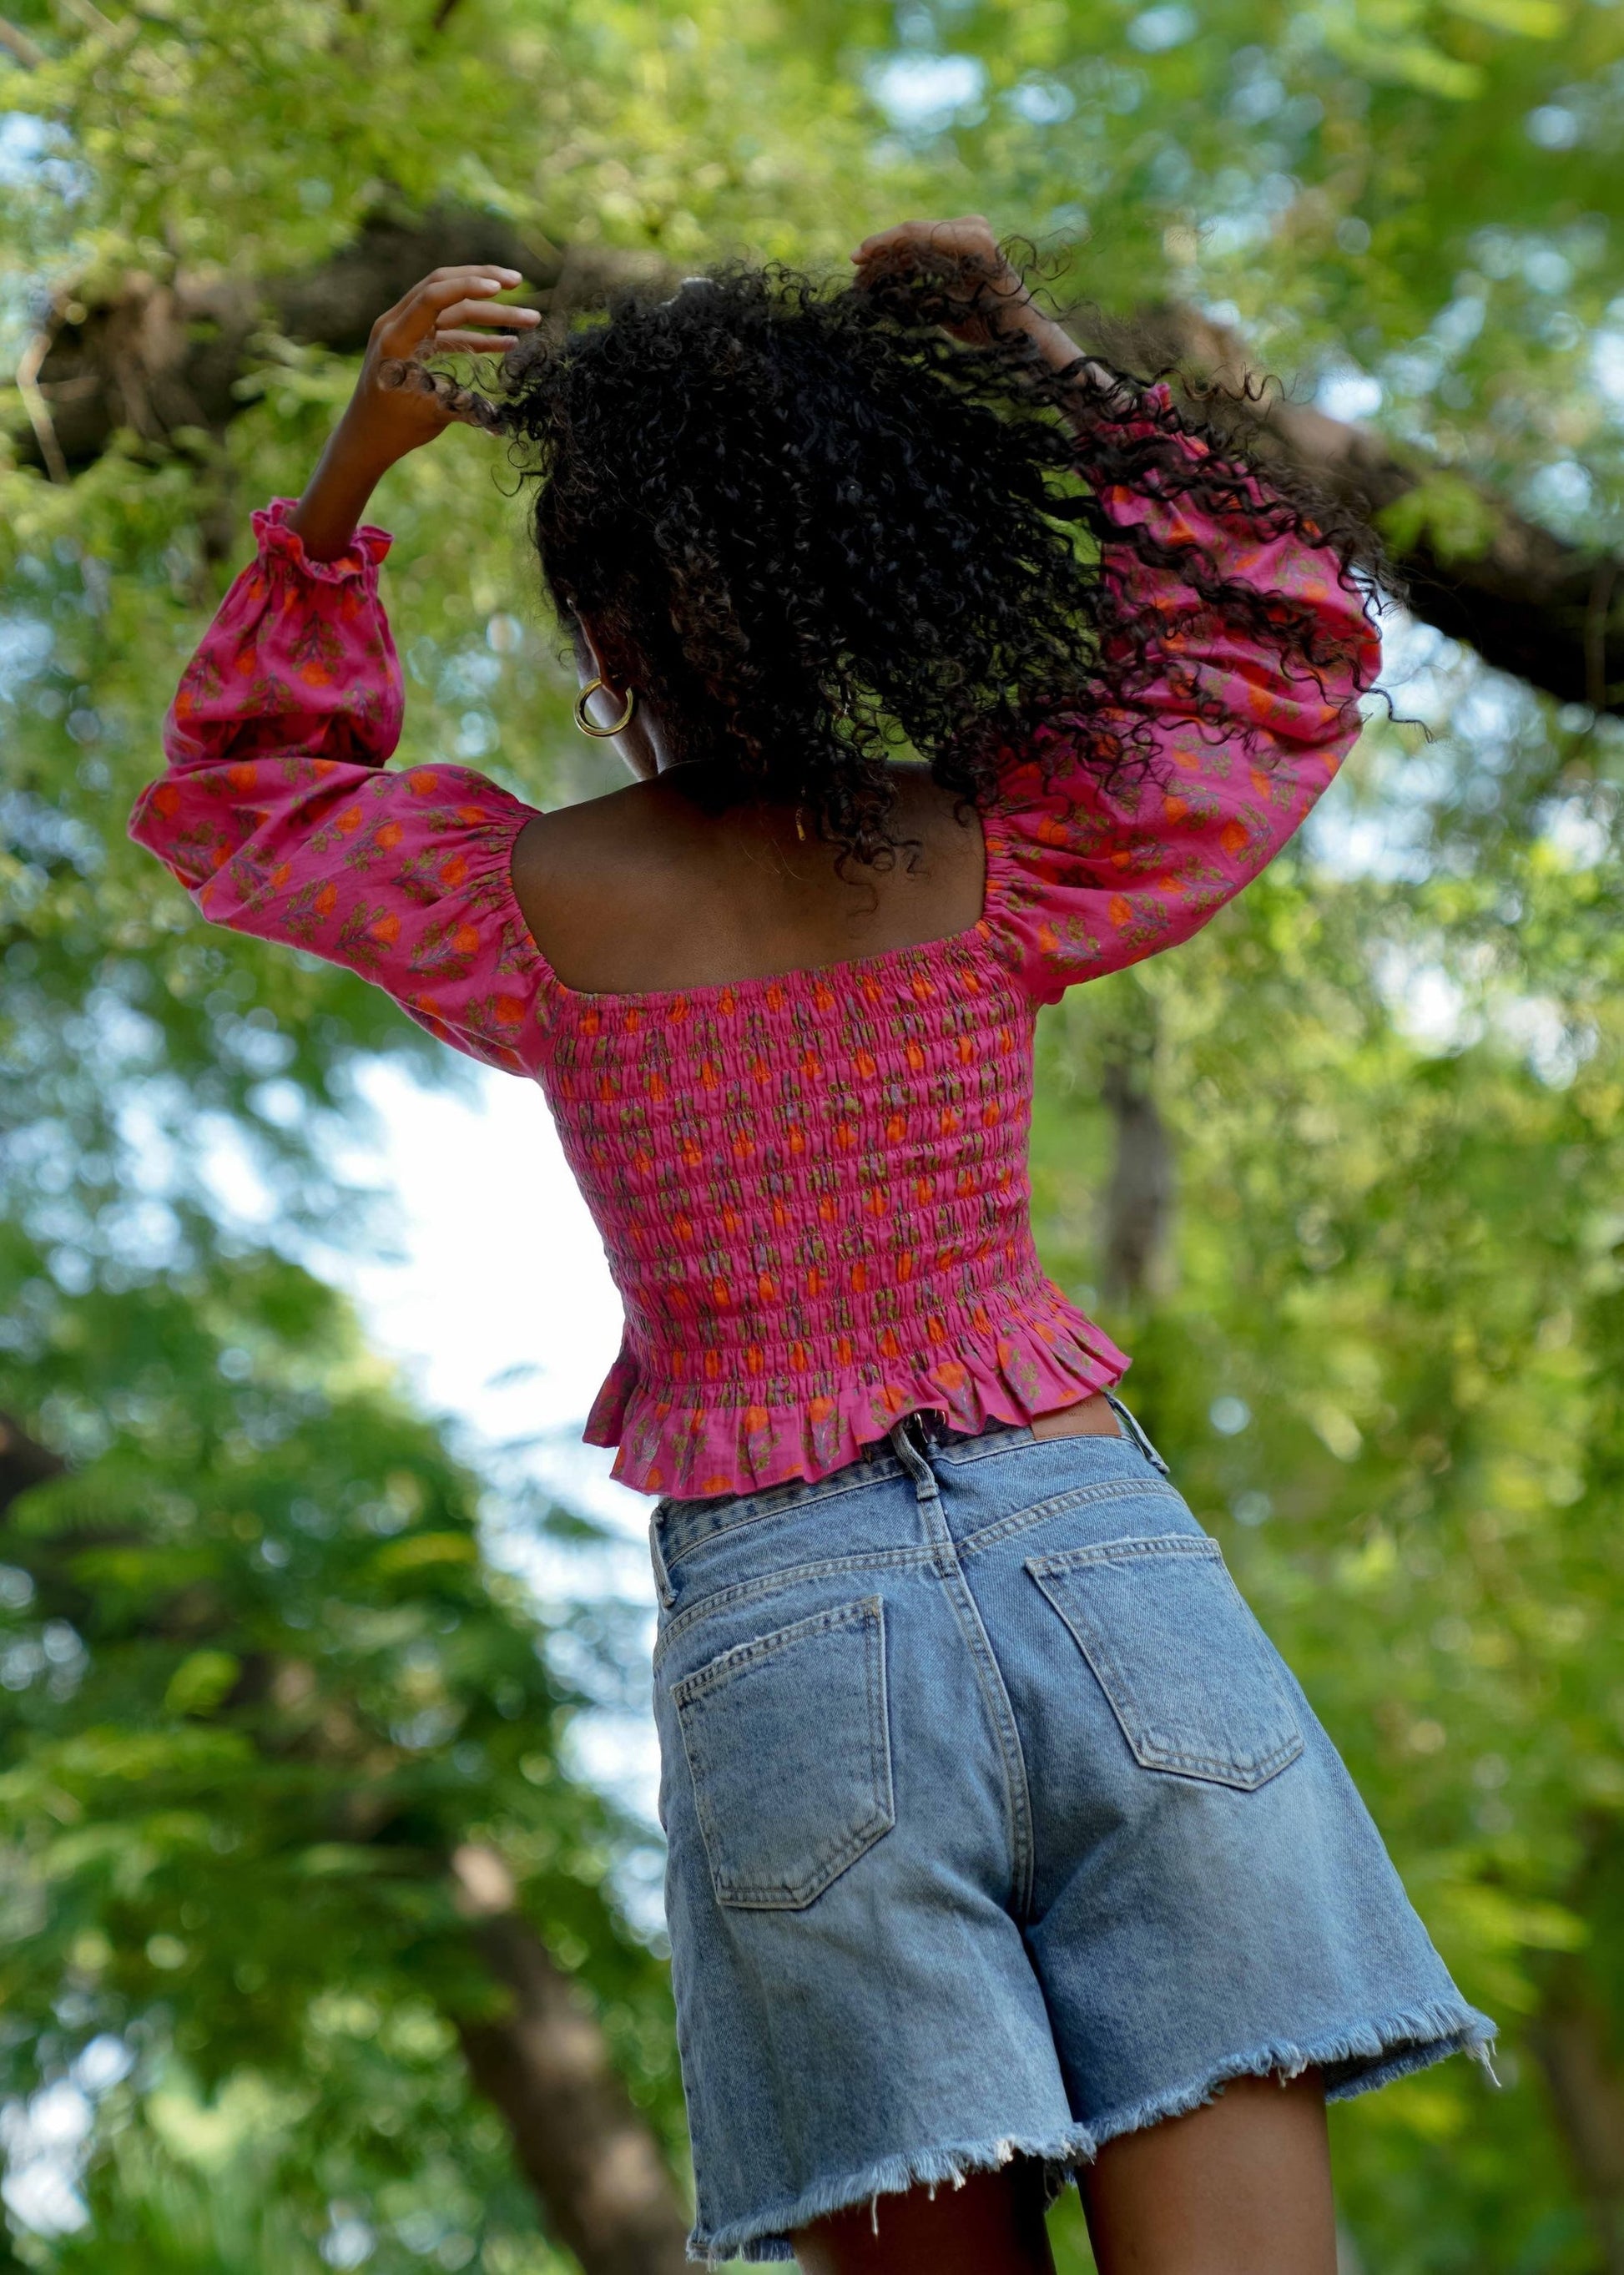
{"type": "Point", "coordinates": [1138, 1200]}
{"type": "Point", "coordinates": [23, 1462]}
{"type": "Point", "coordinates": [1570, 2038]}
{"type": "Point", "coordinates": [588, 2152]}
{"type": "Point", "coordinates": [162, 358]}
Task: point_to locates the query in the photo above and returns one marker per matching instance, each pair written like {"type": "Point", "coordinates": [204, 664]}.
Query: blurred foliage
{"type": "Point", "coordinates": [262, 1683]}
{"type": "Point", "coordinates": [259, 1678]}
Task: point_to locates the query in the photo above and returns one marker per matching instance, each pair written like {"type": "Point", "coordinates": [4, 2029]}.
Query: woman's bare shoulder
{"type": "Point", "coordinates": [648, 887]}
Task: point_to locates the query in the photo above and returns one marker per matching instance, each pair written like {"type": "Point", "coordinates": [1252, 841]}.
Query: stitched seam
{"type": "Point", "coordinates": [745, 1655]}
{"type": "Point", "coordinates": [745, 1592]}
{"type": "Point", "coordinates": [989, 1676]}
{"type": "Point", "coordinates": [1019, 1439]}
{"type": "Point", "coordinates": [795, 1895]}
{"type": "Point", "coordinates": [1017, 1787]}
{"type": "Point", "coordinates": [1004, 1528]}
{"type": "Point", "coordinates": [1113, 1678]}
{"type": "Point", "coordinates": [1123, 1552]}
{"type": "Point", "coordinates": [776, 1894]}
{"type": "Point", "coordinates": [1244, 1774]}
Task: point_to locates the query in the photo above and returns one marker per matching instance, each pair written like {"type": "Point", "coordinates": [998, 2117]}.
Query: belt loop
{"type": "Point", "coordinates": [663, 1578]}
{"type": "Point", "coordinates": [912, 1460]}
{"type": "Point", "coordinates": [1134, 1430]}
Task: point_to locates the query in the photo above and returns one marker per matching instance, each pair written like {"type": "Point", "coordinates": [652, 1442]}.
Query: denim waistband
{"type": "Point", "coordinates": [676, 1527]}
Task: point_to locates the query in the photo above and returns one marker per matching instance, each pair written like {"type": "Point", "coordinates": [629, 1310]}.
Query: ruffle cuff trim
{"type": "Point", "coordinates": [367, 547]}
{"type": "Point", "coordinates": [1036, 1357]}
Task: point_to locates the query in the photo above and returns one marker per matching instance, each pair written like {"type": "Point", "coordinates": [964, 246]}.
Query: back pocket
{"type": "Point", "coordinates": [789, 1750]}
{"type": "Point", "coordinates": [1190, 1676]}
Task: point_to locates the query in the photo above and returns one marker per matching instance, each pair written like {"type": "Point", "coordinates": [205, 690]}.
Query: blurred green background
{"type": "Point", "coordinates": [316, 1947]}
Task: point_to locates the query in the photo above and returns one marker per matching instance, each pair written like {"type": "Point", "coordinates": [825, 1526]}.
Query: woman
{"type": "Point", "coordinates": [1001, 1844]}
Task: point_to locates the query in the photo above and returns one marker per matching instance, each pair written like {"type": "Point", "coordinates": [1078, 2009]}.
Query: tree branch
{"type": "Point", "coordinates": [38, 411]}
{"type": "Point", "coordinates": [1530, 603]}
{"type": "Point", "coordinates": [20, 46]}
{"type": "Point", "coordinates": [154, 358]}
{"type": "Point", "coordinates": [1138, 1207]}
{"type": "Point", "coordinates": [589, 2155]}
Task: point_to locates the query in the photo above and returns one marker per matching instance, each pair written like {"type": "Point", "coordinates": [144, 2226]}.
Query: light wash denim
{"type": "Point", "coordinates": [997, 1828]}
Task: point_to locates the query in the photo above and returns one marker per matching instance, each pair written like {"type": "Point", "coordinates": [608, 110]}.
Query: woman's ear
{"type": "Point", "coordinates": [589, 649]}
{"type": "Point", "coordinates": [587, 662]}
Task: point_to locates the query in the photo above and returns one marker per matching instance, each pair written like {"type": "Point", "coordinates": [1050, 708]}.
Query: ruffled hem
{"type": "Point", "coordinates": [1039, 1353]}
{"type": "Point", "coordinates": [275, 540]}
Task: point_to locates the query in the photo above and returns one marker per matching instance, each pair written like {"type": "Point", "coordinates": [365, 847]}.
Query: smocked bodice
{"type": "Point", "coordinates": [814, 1193]}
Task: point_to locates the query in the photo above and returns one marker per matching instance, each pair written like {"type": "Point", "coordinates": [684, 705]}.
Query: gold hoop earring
{"type": "Point", "coordinates": [588, 725]}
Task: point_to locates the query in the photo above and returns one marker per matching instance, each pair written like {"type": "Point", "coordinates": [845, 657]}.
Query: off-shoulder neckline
{"type": "Point", "coordinates": [944, 945]}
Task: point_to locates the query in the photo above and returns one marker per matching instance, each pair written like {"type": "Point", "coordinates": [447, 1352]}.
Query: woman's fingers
{"type": "Point", "coordinates": [448, 300]}
{"type": "Point", "coordinates": [449, 284]}
{"type": "Point", "coordinates": [461, 314]}
{"type": "Point", "coordinates": [462, 343]}
{"type": "Point", "coordinates": [966, 250]}
{"type": "Point", "coordinates": [968, 233]}
{"type": "Point", "coordinates": [465, 286]}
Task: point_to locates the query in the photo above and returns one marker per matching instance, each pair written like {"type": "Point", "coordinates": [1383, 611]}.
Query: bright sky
{"type": "Point", "coordinates": [498, 1294]}
{"type": "Point", "coordinates": [497, 1299]}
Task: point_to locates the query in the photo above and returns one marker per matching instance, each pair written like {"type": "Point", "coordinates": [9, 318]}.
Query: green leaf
{"type": "Point", "coordinates": [1445, 512]}
{"type": "Point", "coordinates": [419, 1550]}
{"type": "Point", "coordinates": [1529, 19]}
{"type": "Point", "coordinates": [201, 1681]}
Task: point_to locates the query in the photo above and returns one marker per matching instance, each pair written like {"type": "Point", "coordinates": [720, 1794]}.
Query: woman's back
{"type": "Point", "coordinates": [648, 888]}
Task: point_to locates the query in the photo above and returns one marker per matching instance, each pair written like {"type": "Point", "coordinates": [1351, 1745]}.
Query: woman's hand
{"type": "Point", "coordinates": [397, 407]}
{"type": "Point", "coordinates": [962, 250]}
{"type": "Point", "coordinates": [966, 253]}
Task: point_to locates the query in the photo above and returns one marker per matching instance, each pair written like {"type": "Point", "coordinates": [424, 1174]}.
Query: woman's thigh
{"type": "Point", "coordinates": [1242, 2187]}
{"type": "Point", "coordinates": [993, 2224]}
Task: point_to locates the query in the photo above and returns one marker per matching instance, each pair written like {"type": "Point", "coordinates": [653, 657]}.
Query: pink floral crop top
{"type": "Point", "coordinates": [813, 1190]}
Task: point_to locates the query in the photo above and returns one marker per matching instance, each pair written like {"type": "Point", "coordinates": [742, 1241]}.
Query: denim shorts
{"type": "Point", "coordinates": [997, 1827]}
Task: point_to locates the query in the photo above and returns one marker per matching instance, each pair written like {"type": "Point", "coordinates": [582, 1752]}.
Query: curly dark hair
{"type": "Point", "coordinates": [814, 529]}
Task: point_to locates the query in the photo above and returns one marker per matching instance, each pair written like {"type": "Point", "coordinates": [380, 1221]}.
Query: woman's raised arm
{"type": "Point", "coordinates": [277, 811]}
{"type": "Point", "coordinates": [397, 406]}
{"type": "Point", "coordinates": [1234, 646]}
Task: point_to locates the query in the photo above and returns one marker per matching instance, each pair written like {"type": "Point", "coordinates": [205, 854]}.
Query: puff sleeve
{"type": "Point", "coordinates": [1234, 740]}
{"type": "Point", "coordinates": [278, 815]}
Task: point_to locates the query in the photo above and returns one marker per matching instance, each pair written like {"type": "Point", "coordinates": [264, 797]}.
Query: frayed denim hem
{"type": "Point", "coordinates": [1354, 2060]}
{"type": "Point", "coordinates": [768, 2237]}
